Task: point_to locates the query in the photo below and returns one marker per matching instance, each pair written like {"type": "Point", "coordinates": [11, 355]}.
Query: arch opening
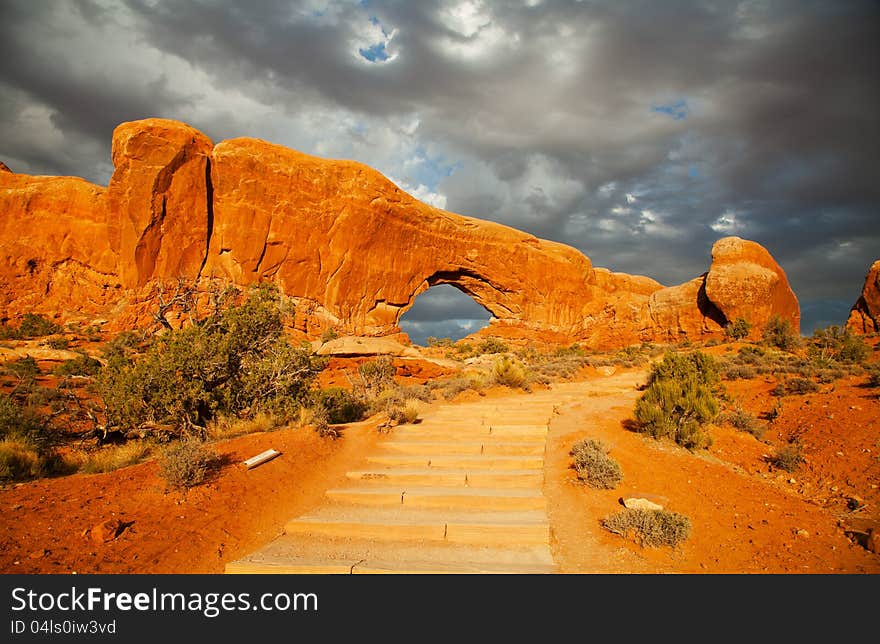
{"type": "Point", "coordinates": [443, 311]}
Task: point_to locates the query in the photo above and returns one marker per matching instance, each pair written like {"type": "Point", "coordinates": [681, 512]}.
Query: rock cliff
{"type": "Point", "coordinates": [865, 314]}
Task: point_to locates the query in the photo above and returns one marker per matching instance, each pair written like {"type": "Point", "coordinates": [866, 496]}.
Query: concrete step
{"type": "Point", "coordinates": [470, 433]}
{"type": "Point", "coordinates": [447, 498]}
{"type": "Point", "coordinates": [454, 461]}
{"type": "Point", "coordinates": [526, 527]}
{"type": "Point", "coordinates": [333, 555]}
{"type": "Point", "coordinates": [429, 477]}
{"type": "Point", "coordinates": [486, 447]}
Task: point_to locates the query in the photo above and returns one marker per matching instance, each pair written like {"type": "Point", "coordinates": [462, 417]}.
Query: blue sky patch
{"type": "Point", "coordinates": [677, 110]}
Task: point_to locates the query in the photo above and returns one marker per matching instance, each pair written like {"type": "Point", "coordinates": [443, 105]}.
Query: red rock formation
{"type": "Point", "coordinates": [158, 195]}
{"type": "Point", "coordinates": [865, 314]}
{"type": "Point", "coordinates": [4, 167]}
{"type": "Point", "coordinates": [744, 281]}
{"type": "Point", "coordinates": [350, 247]}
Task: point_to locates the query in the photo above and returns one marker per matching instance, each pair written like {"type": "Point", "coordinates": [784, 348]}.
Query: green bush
{"type": "Point", "coordinates": [58, 342]}
{"type": "Point", "coordinates": [492, 345]}
{"type": "Point", "coordinates": [874, 375]}
{"type": "Point", "coordinates": [26, 442]}
{"type": "Point", "coordinates": [594, 466]}
{"type": "Point", "coordinates": [842, 344]}
{"type": "Point", "coordinates": [32, 325]}
{"type": "Point", "coordinates": [778, 333]}
{"type": "Point", "coordinates": [25, 368]}
{"type": "Point", "coordinates": [738, 329]}
{"type": "Point", "coordinates": [650, 528]}
{"type": "Point", "coordinates": [439, 342]}
{"type": "Point", "coordinates": [342, 405]}
{"type": "Point", "coordinates": [680, 400]}
{"type": "Point", "coordinates": [328, 335]}
{"type": "Point", "coordinates": [232, 362]}
{"type": "Point", "coordinates": [81, 366]}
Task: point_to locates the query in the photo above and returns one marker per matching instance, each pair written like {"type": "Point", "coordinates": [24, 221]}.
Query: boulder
{"type": "Point", "coordinates": [865, 314]}
{"type": "Point", "coordinates": [744, 281]}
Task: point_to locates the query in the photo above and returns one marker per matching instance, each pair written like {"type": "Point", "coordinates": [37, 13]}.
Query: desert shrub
{"type": "Point", "coordinates": [778, 333]}
{"type": "Point", "coordinates": [680, 400]}
{"type": "Point", "coordinates": [510, 373]}
{"type": "Point", "coordinates": [317, 417]}
{"type": "Point", "coordinates": [438, 342]}
{"type": "Point", "coordinates": [235, 360]}
{"type": "Point", "coordinates": [82, 365]}
{"type": "Point", "coordinates": [57, 342]}
{"type": "Point", "coordinates": [874, 375]}
{"type": "Point", "coordinates": [186, 463]}
{"type": "Point", "coordinates": [743, 421]}
{"type": "Point", "coordinates": [738, 329]}
{"type": "Point", "coordinates": [25, 368]}
{"type": "Point", "coordinates": [342, 405]}
{"type": "Point", "coordinates": [491, 345]}
{"type": "Point", "coordinates": [37, 326]}
{"type": "Point", "coordinates": [26, 442]}
{"type": "Point", "coordinates": [377, 374]}
{"type": "Point", "coordinates": [594, 466]}
{"type": "Point", "coordinates": [451, 387]}
{"type": "Point", "coordinates": [788, 458]}
{"type": "Point", "coordinates": [328, 335]}
{"type": "Point", "coordinates": [123, 344]}
{"type": "Point", "coordinates": [737, 372]}
{"type": "Point", "coordinates": [652, 528]}
{"type": "Point", "coordinates": [408, 412]}
{"type": "Point", "coordinates": [795, 386]}
{"type": "Point", "coordinates": [114, 457]}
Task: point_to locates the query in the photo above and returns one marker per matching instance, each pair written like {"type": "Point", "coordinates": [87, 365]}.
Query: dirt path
{"type": "Point", "coordinates": [741, 521]}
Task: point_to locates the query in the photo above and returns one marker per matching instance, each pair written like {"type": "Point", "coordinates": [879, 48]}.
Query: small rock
{"type": "Point", "coordinates": [840, 453]}
{"type": "Point", "coordinates": [802, 533]}
{"type": "Point", "coordinates": [873, 543]}
{"type": "Point", "coordinates": [792, 481]}
{"type": "Point", "coordinates": [640, 503]}
{"type": "Point", "coordinates": [107, 530]}
{"type": "Point", "coordinates": [38, 554]}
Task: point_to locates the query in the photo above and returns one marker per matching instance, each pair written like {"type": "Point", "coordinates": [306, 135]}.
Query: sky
{"type": "Point", "coordinates": [638, 132]}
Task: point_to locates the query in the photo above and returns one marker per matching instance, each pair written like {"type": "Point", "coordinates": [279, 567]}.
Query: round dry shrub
{"type": "Point", "coordinates": [651, 528]}
{"type": "Point", "coordinates": [186, 463]}
{"type": "Point", "coordinates": [594, 466]}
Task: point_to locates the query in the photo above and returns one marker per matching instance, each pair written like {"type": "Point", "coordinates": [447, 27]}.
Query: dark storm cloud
{"type": "Point", "coordinates": [639, 132]}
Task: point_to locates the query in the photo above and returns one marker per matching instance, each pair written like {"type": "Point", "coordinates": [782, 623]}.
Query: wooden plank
{"type": "Point", "coordinates": [261, 458]}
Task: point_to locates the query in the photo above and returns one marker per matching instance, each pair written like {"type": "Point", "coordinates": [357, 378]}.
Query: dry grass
{"type": "Point", "coordinates": [230, 426]}
{"type": "Point", "coordinates": [594, 466]}
{"type": "Point", "coordinates": [19, 460]}
{"type": "Point", "coordinates": [111, 458]}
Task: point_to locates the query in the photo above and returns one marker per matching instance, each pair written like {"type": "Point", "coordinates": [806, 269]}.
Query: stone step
{"type": "Point", "coordinates": [477, 432]}
{"type": "Point", "coordinates": [454, 461]}
{"type": "Point", "coordinates": [374, 567]}
{"type": "Point", "coordinates": [526, 527]}
{"type": "Point", "coordinates": [486, 447]}
{"type": "Point", "coordinates": [429, 477]}
{"type": "Point", "coordinates": [333, 555]}
{"type": "Point", "coordinates": [462, 498]}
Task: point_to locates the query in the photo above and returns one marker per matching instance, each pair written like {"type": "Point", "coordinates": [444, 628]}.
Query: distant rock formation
{"type": "Point", "coordinates": [865, 314]}
{"type": "Point", "coordinates": [351, 247]}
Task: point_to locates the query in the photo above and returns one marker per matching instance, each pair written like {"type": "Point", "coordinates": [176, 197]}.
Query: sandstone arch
{"type": "Point", "coordinates": [351, 247]}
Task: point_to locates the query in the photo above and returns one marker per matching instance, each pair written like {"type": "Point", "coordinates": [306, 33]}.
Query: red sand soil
{"type": "Point", "coordinates": [746, 517]}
